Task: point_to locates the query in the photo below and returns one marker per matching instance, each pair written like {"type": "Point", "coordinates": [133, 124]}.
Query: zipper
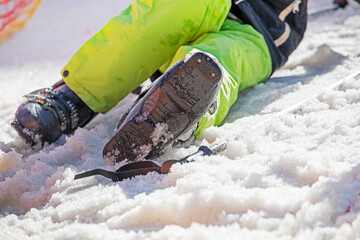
{"type": "Point", "coordinates": [296, 6]}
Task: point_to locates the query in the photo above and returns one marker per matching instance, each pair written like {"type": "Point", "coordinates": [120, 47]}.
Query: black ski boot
{"type": "Point", "coordinates": [50, 112]}
{"type": "Point", "coordinates": [171, 106]}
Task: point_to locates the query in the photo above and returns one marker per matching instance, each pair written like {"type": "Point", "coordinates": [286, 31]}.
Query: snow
{"type": "Point", "coordinates": [287, 173]}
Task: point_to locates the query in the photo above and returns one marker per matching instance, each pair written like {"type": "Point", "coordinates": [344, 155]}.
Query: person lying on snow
{"type": "Point", "coordinates": [203, 52]}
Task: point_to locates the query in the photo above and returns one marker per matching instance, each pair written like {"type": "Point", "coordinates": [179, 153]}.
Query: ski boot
{"type": "Point", "coordinates": [50, 112]}
{"type": "Point", "coordinates": [172, 106]}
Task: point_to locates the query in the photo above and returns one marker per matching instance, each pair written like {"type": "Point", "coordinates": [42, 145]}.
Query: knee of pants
{"type": "Point", "coordinates": [245, 61]}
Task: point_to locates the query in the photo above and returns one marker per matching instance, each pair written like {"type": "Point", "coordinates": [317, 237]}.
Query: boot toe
{"type": "Point", "coordinates": [36, 125]}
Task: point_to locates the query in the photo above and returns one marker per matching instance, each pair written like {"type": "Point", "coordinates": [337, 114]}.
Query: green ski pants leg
{"type": "Point", "coordinates": [134, 44]}
{"type": "Point", "coordinates": [245, 60]}
{"type": "Point", "coordinates": [154, 33]}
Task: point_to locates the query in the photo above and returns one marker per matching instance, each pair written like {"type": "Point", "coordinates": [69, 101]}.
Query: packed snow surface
{"type": "Point", "coordinates": [286, 173]}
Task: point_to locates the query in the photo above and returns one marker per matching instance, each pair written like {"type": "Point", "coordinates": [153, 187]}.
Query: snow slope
{"type": "Point", "coordinates": [294, 175]}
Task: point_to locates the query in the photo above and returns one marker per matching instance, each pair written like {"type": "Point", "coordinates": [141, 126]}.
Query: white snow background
{"type": "Point", "coordinates": [293, 176]}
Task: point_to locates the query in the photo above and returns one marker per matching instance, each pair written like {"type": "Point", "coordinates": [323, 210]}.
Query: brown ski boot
{"type": "Point", "coordinates": [172, 105]}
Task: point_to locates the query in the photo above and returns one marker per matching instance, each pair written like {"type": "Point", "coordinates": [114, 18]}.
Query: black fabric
{"type": "Point", "coordinates": [263, 16]}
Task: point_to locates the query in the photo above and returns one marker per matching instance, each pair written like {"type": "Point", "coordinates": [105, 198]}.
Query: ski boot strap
{"type": "Point", "coordinates": [56, 102]}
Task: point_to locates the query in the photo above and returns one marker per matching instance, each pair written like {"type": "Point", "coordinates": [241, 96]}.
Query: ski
{"type": "Point", "coordinates": [295, 107]}
{"type": "Point", "coordinates": [324, 8]}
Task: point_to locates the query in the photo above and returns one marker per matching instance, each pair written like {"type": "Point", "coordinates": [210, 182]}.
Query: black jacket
{"type": "Point", "coordinates": [281, 22]}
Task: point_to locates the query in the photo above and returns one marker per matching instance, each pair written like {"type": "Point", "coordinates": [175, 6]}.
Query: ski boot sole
{"type": "Point", "coordinates": [174, 104]}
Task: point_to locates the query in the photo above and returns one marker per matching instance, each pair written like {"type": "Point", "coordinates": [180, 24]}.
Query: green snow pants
{"type": "Point", "coordinates": [154, 34]}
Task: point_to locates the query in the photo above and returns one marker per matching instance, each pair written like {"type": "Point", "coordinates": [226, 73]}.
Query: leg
{"type": "Point", "coordinates": [180, 98]}
{"type": "Point", "coordinates": [134, 44]}
{"type": "Point", "coordinates": [115, 61]}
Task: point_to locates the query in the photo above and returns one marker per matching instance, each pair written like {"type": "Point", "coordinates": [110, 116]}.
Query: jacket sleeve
{"type": "Point", "coordinates": [281, 22]}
